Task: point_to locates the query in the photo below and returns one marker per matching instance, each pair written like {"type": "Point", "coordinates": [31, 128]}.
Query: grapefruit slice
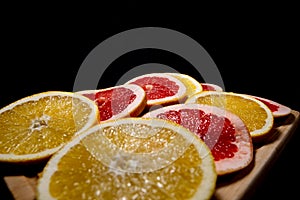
{"type": "Point", "coordinates": [211, 87]}
{"type": "Point", "coordinates": [255, 114]}
{"type": "Point", "coordinates": [35, 127]}
{"type": "Point", "coordinates": [222, 131]}
{"type": "Point", "coordinates": [192, 85]}
{"type": "Point", "coordinates": [118, 102]}
{"type": "Point", "coordinates": [277, 109]}
{"type": "Point", "coordinates": [131, 158]}
{"type": "Point", "coordinates": [160, 88]}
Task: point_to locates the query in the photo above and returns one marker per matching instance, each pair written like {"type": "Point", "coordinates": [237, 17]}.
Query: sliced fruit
{"type": "Point", "coordinates": [160, 88]}
{"type": "Point", "coordinates": [35, 127]}
{"type": "Point", "coordinates": [277, 109]}
{"type": "Point", "coordinates": [192, 85]}
{"type": "Point", "coordinates": [211, 87]}
{"type": "Point", "coordinates": [255, 114]}
{"type": "Point", "coordinates": [223, 132]}
{"type": "Point", "coordinates": [131, 158]}
{"type": "Point", "coordinates": [119, 101]}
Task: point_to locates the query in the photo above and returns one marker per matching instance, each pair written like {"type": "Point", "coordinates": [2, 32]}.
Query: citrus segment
{"type": "Point", "coordinates": [223, 132]}
{"type": "Point", "coordinates": [255, 114]}
{"type": "Point", "coordinates": [192, 85]}
{"type": "Point", "coordinates": [119, 101]}
{"type": "Point", "coordinates": [160, 88]}
{"type": "Point", "coordinates": [105, 172]}
{"type": "Point", "coordinates": [36, 126]}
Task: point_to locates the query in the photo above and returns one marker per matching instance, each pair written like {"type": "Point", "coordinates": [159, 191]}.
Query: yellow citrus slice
{"type": "Point", "coordinates": [192, 85]}
{"type": "Point", "coordinates": [35, 127]}
{"type": "Point", "coordinates": [131, 158]}
{"type": "Point", "coordinates": [256, 115]}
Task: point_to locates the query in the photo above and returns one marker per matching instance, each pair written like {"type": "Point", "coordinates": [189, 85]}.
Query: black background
{"type": "Point", "coordinates": [255, 49]}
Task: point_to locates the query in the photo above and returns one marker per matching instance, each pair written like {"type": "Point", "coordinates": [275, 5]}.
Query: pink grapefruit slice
{"type": "Point", "coordinates": [277, 109]}
{"type": "Point", "coordinates": [118, 101]}
{"type": "Point", "coordinates": [211, 87]}
{"type": "Point", "coordinates": [223, 132]}
{"type": "Point", "coordinates": [161, 88]}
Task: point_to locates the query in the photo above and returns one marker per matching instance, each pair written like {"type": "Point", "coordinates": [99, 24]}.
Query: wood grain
{"type": "Point", "coordinates": [236, 186]}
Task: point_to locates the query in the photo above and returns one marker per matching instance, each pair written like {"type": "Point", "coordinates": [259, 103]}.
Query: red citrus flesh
{"type": "Point", "coordinates": [160, 88]}
{"type": "Point", "coordinates": [277, 109]}
{"type": "Point", "coordinates": [155, 90]}
{"type": "Point", "coordinates": [119, 101]}
{"type": "Point", "coordinates": [223, 132]}
{"type": "Point", "coordinates": [210, 87]}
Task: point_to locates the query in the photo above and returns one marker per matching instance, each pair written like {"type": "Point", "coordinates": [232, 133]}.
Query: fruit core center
{"type": "Point", "coordinates": [39, 123]}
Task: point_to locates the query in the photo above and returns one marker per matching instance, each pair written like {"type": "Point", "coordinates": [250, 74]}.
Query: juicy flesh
{"type": "Point", "coordinates": [81, 174]}
{"type": "Point", "coordinates": [217, 132]}
{"type": "Point", "coordinates": [190, 86]}
{"type": "Point", "coordinates": [253, 115]}
{"type": "Point", "coordinates": [36, 126]}
{"type": "Point", "coordinates": [157, 87]}
{"type": "Point", "coordinates": [112, 102]}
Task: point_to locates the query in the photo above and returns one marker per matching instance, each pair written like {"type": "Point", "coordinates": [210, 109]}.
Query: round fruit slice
{"type": "Point", "coordinates": [211, 87]}
{"type": "Point", "coordinates": [35, 127]}
{"type": "Point", "coordinates": [277, 109]}
{"type": "Point", "coordinates": [161, 88]}
{"type": "Point", "coordinates": [131, 158]}
{"type": "Point", "coordinates": [118, 102]}
{"type": "Point", "coordinates": [223, 132]}
{"type": "Point", "coordinates": [255, 114]}
{"type": "Point", "coordinates": [192, 85]}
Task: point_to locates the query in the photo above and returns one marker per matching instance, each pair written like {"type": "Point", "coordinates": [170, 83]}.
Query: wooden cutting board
{"type": "Point", "coordinates": [230, 187]}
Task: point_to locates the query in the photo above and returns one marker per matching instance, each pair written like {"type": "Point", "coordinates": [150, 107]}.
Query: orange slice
{"type": "Point", "coordinates": [118, 102]}
{"type": "Point", "coordinates": [255, 114]}
{"type": "Point", "coordinates": [192, 85]}
{"type": "Point", "coordinates": [131, 158]}
{"type": "Point", "coordinates": [222, 131]}
{"type": "Point", "coordinates": [35, 127]}
{"type": "Point", "coordinates": [160, 88]}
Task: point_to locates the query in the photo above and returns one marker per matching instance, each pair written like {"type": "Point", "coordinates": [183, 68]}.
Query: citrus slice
{"type": "Point", "coordinates": [223, 132]}
{"type": "Point", "coordinates": [118, 102]}
{"type": "Point", "coordinates": [160, 88]}
{"type": "Point", "coordinates": [35, 127]}
{"type": "Point", "coordinates": [277, 109]}
{"type": "Point", "coordinates": [131, 158]}
{"type": "Point", "coordinates": [255, 114]}
{"type": "Point", "coordinates": [192, 85]}
{"type": "Point", "coordinates": [211, 87]}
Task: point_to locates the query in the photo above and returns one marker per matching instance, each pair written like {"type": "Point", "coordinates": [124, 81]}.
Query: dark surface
{"type": "Point", "coordinates": [255, 52]}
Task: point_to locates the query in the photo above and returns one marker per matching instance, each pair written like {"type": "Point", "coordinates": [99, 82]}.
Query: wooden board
{"type": "Point", "coordinates": [234, 186]}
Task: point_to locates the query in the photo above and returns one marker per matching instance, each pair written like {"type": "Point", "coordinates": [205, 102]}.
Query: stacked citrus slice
{"type": "Point", "coordinates": [192, 85]}
{"type": "Point", "coordinates": [277, 109]}
{"type": "Point", "coordinates": [161, 88]}
{"type": "Point", "coordinates": [223, 132]}
{"type": "Point", "coordinates": [211, 87]}
{"type": "Point", "coordinates": [255, 114]}
{"type": "Point", "coordinates": [35, 127]}
{"type": "Point", "coordinates": [172, 152]}
{"type": "Point", "coordinates": [131, 158]}
{"type": "Point", "coordinates": [118, 102]}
